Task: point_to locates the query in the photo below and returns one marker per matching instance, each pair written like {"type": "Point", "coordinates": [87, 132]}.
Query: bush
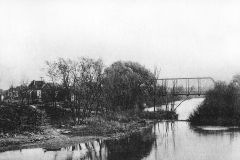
{"type": "Point", "coordinates": [103, 125]}
{"type": "Point", "coordinates": [19, 118]}
{"type": "Point", "coordinates": [58, 114]}
{"type": "Point", "coordinates": [124, 116]}
{"type": "Point", "coordinates": [220, 107]}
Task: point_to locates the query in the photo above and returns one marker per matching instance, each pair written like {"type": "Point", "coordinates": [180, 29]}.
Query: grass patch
{"type": "Point", "coordinates": [120, 122]}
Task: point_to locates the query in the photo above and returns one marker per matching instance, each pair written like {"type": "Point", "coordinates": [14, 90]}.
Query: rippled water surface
{"type": "Point", "coordinates": [164, 141]}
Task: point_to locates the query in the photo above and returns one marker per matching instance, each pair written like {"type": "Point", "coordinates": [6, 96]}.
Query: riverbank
{"type": "Point", "coordinates": [52, 137]}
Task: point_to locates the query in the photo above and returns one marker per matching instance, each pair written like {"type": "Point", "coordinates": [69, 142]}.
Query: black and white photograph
{"type": "Point", "coordinates": [119, 79]}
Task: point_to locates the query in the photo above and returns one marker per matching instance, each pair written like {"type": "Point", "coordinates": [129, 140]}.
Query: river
{"type": "Point", "coordinates": [164, 141]}
{"type": "Point", "coordinates": [183, 110]}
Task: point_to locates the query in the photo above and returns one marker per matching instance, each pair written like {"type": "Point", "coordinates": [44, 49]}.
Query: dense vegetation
{"type": "Point", "coordinates": [127, 85]}
{"type": "Point", "coordinates": [19, 118]}
{"type": "Point", "coordinates": [221, 105]}
{"type": "Point", "coordinates": [89, 88]}
{"type": "Point", "coordinates": [83, 88]}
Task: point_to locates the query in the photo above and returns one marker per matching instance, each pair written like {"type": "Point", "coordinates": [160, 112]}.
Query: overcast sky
{"type": "Point", "coordinates": [185, 38]}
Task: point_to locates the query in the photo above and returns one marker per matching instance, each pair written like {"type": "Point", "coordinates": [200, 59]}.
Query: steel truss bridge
{"type": "Point", "coordinates": [167, 89]}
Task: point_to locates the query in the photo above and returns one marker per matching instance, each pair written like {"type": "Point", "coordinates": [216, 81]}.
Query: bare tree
{"type": "Point", "coordinates": [88, 85]}
{"type": "Point", "coordinates": [81, 81]}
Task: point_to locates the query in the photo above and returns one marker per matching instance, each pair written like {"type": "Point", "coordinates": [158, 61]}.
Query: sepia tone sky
{"type": "Point", "coordinates": [185, 38]}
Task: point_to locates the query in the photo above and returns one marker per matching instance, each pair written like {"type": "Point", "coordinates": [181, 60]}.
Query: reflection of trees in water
{"type": "Point", "coordinates": [227, 130]}
{"type": "Point", "coordinates": [135, 147]}
{"type": "Point", "coordinates": [166, 134]}
{"type": "Point", "coordinates": [86, 151]}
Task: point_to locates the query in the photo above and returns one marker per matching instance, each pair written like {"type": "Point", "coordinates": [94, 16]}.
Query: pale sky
{"type": "Point", "coordinates": [185, 38]}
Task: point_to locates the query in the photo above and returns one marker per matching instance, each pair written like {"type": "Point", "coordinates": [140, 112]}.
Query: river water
{"type": "Point", "coordinates": [184, 109]}
{"type": "Point", "coordinates": [164, 141]}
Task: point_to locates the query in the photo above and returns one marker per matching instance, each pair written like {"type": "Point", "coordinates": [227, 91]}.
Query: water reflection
{"type": "Point", "coordinates": [134, 147]}
{"type": "Point", "coordinates": [207, 130]}
{"type": "Point", "coordinates": [164, 141]}
{"type": "Point", "coordinates": [182, 141]}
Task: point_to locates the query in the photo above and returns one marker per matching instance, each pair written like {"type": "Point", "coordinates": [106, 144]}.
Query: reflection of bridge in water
{"type": "Point", "coordinates": [168, 89]}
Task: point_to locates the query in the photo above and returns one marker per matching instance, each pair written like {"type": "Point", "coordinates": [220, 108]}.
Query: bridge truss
{"type": "Point", "coordinates": [168, 89]}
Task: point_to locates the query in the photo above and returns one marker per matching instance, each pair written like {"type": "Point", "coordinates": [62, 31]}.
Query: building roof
{"type": "Point", "coordinates": [50, 85]}
{"type": "Point", "coordinates": [36, 84]}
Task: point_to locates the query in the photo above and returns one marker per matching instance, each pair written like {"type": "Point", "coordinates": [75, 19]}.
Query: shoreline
{"type": "Point", "coordinates": [57, 138]}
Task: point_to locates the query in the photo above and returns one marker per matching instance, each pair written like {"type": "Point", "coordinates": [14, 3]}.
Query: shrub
{"type": "Point", "coordinates": [103, 125]}
{"type": "Point", "coordinates": [19, 118]}
{"type": "Point", "coordinates": [123, 116]}
{"type": "Point", "coordinates": [58, 114]}
{"type": "Point", "coordinates": [219, 107]}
